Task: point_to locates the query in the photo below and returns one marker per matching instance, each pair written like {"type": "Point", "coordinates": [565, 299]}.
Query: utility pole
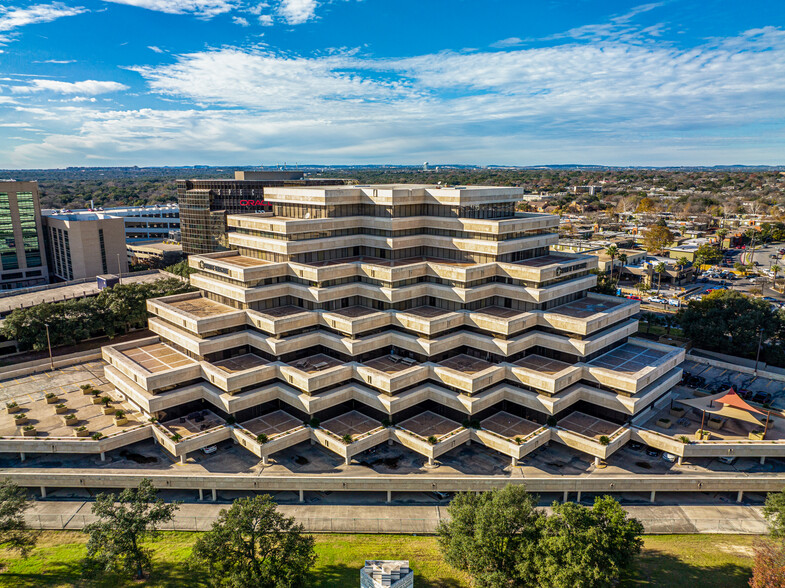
{"type": "Point", "coordinates": [49, 344]}
{"type": "Point", "coordinates": [119, 270]}
{"type": "Point", "coordinates": [757, 355]}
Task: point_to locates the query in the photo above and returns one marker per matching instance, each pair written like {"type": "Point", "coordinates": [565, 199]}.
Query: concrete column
{"type": "Point", "coordinates": [579, 497]}
{"type": "Point", "coordinates": [596, 461]}
{"type": "Point", "coordinates": [680, 460]}
{"type": "Point", "coordinates": [21, 456]}
{"type": "Point", "coordinates": [265, 460]}
{"type": "Point", "coordinates": [183, 457]}
{"type": "Point", "coordinates": [215, 495]}
{"type": "Point", "coordinates": [103, 456]}
{"type": "Point", "coordinates": [653, 496]}
{"type": "Point", "coordinates": [201, 494]}
{"type": "Point", "coordinates": [469, 442]}
{"type": "Point", "coordinates": [740, 496]}
{"type": "Point", "coordinates": [514, 462]}
{"type": "Point", "coordinates": [430, 461]}
{"type": "Point", "coordinates": [348, 460]}
{"type": "Point", "coordinates": [566, 495]}
{"type": "Point", "coordinates": [389, 441]}
{"type": "Point", "coordinates": [762, 459]}
{"type": "Point", "coordinates": [313, 442]}
{"type": "Point", "coordinates": [302, 496]}
{"type": "Point", "coordinates": [43, 492]}
{"type": "Point", "coordinates": [389, 496]}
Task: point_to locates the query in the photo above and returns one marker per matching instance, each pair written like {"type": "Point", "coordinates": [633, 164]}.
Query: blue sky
{"type": "Point", "coordinates": [182, 82]}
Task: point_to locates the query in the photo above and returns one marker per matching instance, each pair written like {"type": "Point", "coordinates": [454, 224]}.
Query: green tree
{"type": "Point", "coordinates": [721, 233]}
{"type": "Point", "coordinates": [254, 545]}
{"type": "Point", "coordinates": [707, 254]}
{"type": "Point", "coordinates": [774, 512]}
{"type": "Point", "coordinates": [726, 320]}
{"type": "Point", "coordinates": [588, 547]}
{"type": "Point", "coordinates": [612, 251]}
{"type": "Point", "coordinates": [14, 533]}
{"type": "Point", "coordinates": [659, 269]}
{"type": "Point", "coordinates": [125, 522]}
{"type": "Point", "coordinates": [494, 537]}
{"type": "Point", "coordinates": [775, 269]}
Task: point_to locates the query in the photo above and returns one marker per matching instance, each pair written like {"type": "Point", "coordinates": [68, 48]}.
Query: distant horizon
{"type": "Point", "coordinates": [660, 84]}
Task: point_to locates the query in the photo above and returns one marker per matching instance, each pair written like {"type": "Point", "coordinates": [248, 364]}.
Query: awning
{"type": "Point", "coordinates": [725, 404]}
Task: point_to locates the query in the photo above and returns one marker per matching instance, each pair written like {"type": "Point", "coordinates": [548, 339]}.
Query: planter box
{"type": "Point", "coordinates": [22, 421]}
{"type": "Point", "coordinates": [714, 424]}
{"type": "Point", "coordinates": [62, 410]}
{"type": "Point", "coordinates": [53, 400]}
{"type": "Point", "coordinates": [664, 423]}
{"type": "Point", "coordinates": [32, 433]}
{"type": "Point", "coordinates": [109, 409]}
{"type": "Point", "coordinates": [753, 436]}
{"type": "Point", "coordinates": [87, 392]}
{"type": "Point", "coordinates": [12, 409]}
{"type": "Point", "coordinates": [84, 433]}
{"type": "Point", "coordinates": [71, 422]}
{"type": "Point", "coordinates": [705, 437]}
{"type": "Point", "coordinates": [96, 400]}
{"type": "Point", "coordinates": [121, 421]}
{"type": "Point", "coordinates": [677, 412]}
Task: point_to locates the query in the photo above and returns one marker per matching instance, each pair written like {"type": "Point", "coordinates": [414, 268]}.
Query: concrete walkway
{"type": "Point", "coordinates": [657, 519]}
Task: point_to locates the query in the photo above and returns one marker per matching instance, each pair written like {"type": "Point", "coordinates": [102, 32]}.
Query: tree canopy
{"type": "Point", "coordinates": [14, 533]}
{"type": "Point", "coordinates": [124, 522]}
{"type": "Point", "coordinates": [656, 238]}
{"type": "Point", "coordinates": [502, 540]}
{"type": "Point", "coordinates": [254, 545]}
{"type": "Point", "coordinates": [707, 254]}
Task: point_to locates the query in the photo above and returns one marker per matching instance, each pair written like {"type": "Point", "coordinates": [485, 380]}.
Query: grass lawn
{"type": "Point", "coordinates": [692, 561]}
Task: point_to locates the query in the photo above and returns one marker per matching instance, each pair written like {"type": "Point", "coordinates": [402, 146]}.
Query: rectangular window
{"type": "Point", "coordinates": [103, 250]}
{"type": "Point", "coordinates": [7, 241]}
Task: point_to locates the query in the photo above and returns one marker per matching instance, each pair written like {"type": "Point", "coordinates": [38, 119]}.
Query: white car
{"type": "Point", "coordinates": [674, 301]}
{"type": "Point", "coordinates": [669, 457]}
{"type": "Point", "coordinates": [210, 449]}
{"type": "Point", "coordinates": [656, 300]}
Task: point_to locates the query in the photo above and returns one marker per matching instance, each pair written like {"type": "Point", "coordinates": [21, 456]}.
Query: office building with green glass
{"type": "Point", "coordinates": [22, 259]}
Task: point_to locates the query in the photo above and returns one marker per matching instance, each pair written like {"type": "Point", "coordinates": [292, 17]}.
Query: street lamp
{"type": "Point", "coordinates": [119, 270]}
{"type": "Point", "coordinates": [49, 344]}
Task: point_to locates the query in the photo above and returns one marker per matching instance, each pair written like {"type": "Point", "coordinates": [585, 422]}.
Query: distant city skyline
{"type": "Point", "coordinates": [220, 82]}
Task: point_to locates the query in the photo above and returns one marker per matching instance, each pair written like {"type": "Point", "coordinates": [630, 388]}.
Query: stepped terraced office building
{"type": "Point", "coordinates": [428, 307]}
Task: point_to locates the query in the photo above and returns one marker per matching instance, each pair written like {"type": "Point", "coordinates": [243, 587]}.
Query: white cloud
{"type": "Point", "coordinates": [12, 18]}
{"type": "Point", "coordinates": [58, 61]}
{"type": "Point", "coordinates": [297, 12]}
{"type": "Point", "coordinates": [266, 20]}
{"type": "Point", "coordinates": [87, 87]}
{"type": "Point", "coordinates": [155, 49]}
{"type": "Point", "coordinates": [239, 20]}
{"type": "Point", "coordinates": [203, 8]}
{"type": "Point", "coordinates": [507, 43]}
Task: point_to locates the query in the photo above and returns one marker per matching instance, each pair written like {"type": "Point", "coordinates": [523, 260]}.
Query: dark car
{"type": "Point", "coordinates": [762, 398]}
{"type": "Point", "coordinates": [635, 446]}
{"type": "Point", "coordinates": [651, 452]}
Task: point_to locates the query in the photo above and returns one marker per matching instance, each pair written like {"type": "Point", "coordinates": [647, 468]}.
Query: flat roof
{"type": "Point", "coordinates": [387, 364]}
{"type": "Point", "coordinates": [274, 423]}
{"type": "Point", "coordinates": [351, 423]}
{"type": "Point", "coordinates": [628, 358]}
{"type": "Point", "coordinates": [315, 363]}
{"type": "Point", "coordinates": [240, 363]}
{"type": "Point", "coordinates": [429, 423]}
{"type": "Point", "coordinates": [465, 363]}
{"type": "Point", "coordinates": [585, 307]}
{"type": "Point", "coordinates": [549, 259]}
{"type": "Point", "coordinates": [238, 260]}
{"type": "Point", "coordinates": [426, 311]}
{"type": "Point", "coordinates": [588, 425]}
{"type": "Point", "coordinates": [157, 357]}
{"type": "Point", "coordinates": [542, 364]}
{"type": "Point", "coordinates": [508, 425]}
{"type": "Point", "coordinates": [202, 307]}
{"type": "Point", "coordinates": [354, 311]}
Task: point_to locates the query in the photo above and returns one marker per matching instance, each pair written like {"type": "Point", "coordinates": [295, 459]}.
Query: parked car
{"type": "Point", "coordinates": [651, 452]}
{"type": "Point", "coordinates": [669, 457]}
{"type": "Point", "coordinates": [635, 446]}
{"type": "Point", "coordinates": [210, 449]}
{"type": "Point", "coordinates": [762, 398]}
{"type": "Point", "coordinates": [728, 459]}
{"type": "Point", "coordinates": [633, 297]}
{"type": "Point", "coordinates": [674, 302]}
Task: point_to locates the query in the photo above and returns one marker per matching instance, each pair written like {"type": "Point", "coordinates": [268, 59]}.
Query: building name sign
{"type": "Point", "coordinates": [214, 268]}
{"type": "Point", "coordinates": [254, 203]}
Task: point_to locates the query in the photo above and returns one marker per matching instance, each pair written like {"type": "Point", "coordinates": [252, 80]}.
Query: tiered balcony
{"type": "Point", "coordinates": [430, 434]}
{"type": "Point", "coordinates": [236, 373]}
{"type": "Point", "coordinates": [350, 433]}
{"type": "Point", "coordinates": [315, 372]}
{"type": "Point", "coordinates": [197, 315]}
{"type": "Point", "coordinates": [634, 365]}
{"type": "Point", "coordinates": [468, 374]}
{"type": "Point", "coordinates": [544, 374]}
{"type": "Point", "coordinates": [152, 365]}
{"type": "Point", "coordinates": [590, 434]}
{"type": "Point", "coordinates": [271, 433]}
{"type": "Point", "coordinates": [589, 314]}
{"type": "Point", "coordinates": [391, 373]}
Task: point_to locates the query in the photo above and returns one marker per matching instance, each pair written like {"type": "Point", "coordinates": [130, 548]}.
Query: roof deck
{"type": "Point", "coordinates": [351, 423]}
{"type": "Point", "coordinates": [201, 307]}
{"type": "Point", "coordinates": [427, 311]}
{"type": "Point", "coordinates": [588, 306]}
{"type": "Point", "coordinates": [354, 311]}
{"type": "Point", "coordinates": [465, 363]}
{"type": "Point", "coordinates": [390, 364]}
{"type": "Point", "coordinates": [628, 358]}
{"type": "Point", "coordinates": [272, 424]}
{"type": "Point", "coordinates": [194, 423]}
{"type": "Point", "coordinates": [316, 363]}
{"type": "Point", "coordinates": [588, 425]}
{"type": "Point", "coordinates": [241, 261]}
{"type": "Point", "coordinates": [429, 423]}
{"type": "Point", "coordinates": [546, 260]}
{"type": "Point", "coordinates": [157, 357]}
{"type": "Point", "coordinates": [728, 429]}
{"type": "Point", "coordinates": [499, 311]}
{"type": "Point", "coordinates": [388, 262]}
{"type": "Point", "coordinates": [282, 311]}
{"type": "Point", "coordinates": [240, 363]}
{"type": "Point", "coordinates": [542, 364]}
{"type": "Point", "coordinates": [508, 425]}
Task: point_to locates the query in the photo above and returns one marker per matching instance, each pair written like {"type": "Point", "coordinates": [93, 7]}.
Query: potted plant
{"type": "Point", "coordinates": [518, 440]}
{"type": "Point", "coordinates": [605, 440]}
{"type": "Point", "coordinates": [107, 401]}
{"type": "Point", "coordinates": [715, 423]}
{"type": "Point", "coordinates": [60, 408]}
{"type": "Point", "coordinates": [262, 438]}
{"type": "Point", "coordinates": [677, 411]}
{"type": "Point", "coordinates": [29, 431]}
{"type": "Point", "coordinates": [51, 398]}
{"type": "Point", "coordinates": [684, 439]}
{"type": "Point", "coordinates": [347, 439]}
{"type": "Point", "coordinates": [87, 389]}
{"type": "Point", "coordinates": [96, 435]}
{"type": "Point", "coordinates": [81, 431]}
{"type": "Point", "coordinates": [176, 437]}
{"type": "Point", "coordinates": [20, 418]}
{"type": "Point", "coordinates": [702, 435]}
{"type": "Point", "coordinates": [12, 407]}
{"type": "Point", "coordinates": [120, 418]}
{"type": "Point", "coordinates": [432, 440]}
{"type": "Point", "coordinates": [96, 396]}
{"type": "Point", "coordinates": [70, 420]}
{"type": "Point", "coordinates": [664, 423]}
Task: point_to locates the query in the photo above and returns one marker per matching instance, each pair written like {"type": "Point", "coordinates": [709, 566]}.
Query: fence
{"type": "Point", "coordinates": [417, 526]}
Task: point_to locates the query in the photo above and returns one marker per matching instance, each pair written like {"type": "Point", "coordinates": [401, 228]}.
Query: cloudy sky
{"type": "Point", "coordinates": [183, 82]}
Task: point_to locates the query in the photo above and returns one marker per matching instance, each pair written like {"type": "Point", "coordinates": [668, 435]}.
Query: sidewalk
{"type": "Point", "coordinates": [657, 519]}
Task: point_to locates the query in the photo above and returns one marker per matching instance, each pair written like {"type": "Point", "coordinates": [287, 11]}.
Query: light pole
{"type": "Point", "coordinates": [119, 270]}
{"type": "Point", "coordinates": [757, 355]}
{"type": "Point", "coordinates": [49, 344]}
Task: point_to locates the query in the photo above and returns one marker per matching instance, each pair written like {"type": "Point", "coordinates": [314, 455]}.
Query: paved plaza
{"type": "Point", "coordinates": [59, 381]}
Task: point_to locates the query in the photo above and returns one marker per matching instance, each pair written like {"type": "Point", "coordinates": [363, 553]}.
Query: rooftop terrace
{"type": "Point", "coordinates": [508, 425]}
{"type": "Point", "coordinates": [156, 357]}
{"type": "Point", "coordinates": [588, 306]}
{"type": "Point", "coordinates": [587, 425]}
{"type": "Point", "coordinates": [542, 364]}
{"type": "Point", "coordinates": [240, 363]}
{"type": "Point", "coordinates": [628, 358]}
{"type": "Point", "coordinates": [316, 363]}
{"type": "Point", "coordinates": [465, 363]}
{"type": "Point", "coordinates": [202, 307]}
{"type": "Point", "coordinates": [389, 364]}
{"type": "Point", "coordinates": [273, 423]}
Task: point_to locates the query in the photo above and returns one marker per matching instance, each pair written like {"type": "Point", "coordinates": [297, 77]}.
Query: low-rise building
{"type": "Point", "coordinates": [154, 253]}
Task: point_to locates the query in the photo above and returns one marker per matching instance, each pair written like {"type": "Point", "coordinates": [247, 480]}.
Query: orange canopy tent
{"type": "Point", "coordinates": [727, 404]}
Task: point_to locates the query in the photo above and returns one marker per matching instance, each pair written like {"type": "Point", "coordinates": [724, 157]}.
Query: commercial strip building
{"type": "Point", "coordinates": [204, 203]}
{"type": "Point", "coordinates": [83, 246]}
{"type": "Point", "coordinates": [22, 261]}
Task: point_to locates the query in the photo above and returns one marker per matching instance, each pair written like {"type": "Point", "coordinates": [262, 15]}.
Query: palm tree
{"type": "Point", "coordinates": [623, 262]}
{"type": "Point", "coordinates": [774, 269]}
{"type": "Point", "coordinates": [658, 269]}
{"type": "Point", "coordinates": [721, 233]}
{"type": "Point", "coordinates": [612, 251]}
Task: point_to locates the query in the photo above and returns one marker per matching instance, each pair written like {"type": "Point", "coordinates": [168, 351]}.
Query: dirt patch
{"type": "Point", "coordinates": [741, 550]}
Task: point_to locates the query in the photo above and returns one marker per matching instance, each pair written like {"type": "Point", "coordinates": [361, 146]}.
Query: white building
{"type": "Point", "coordinates": [142, 223]}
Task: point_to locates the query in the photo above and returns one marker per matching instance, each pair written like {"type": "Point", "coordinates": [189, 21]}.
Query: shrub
{"type": "Point", "coordinates": [20, 415]}
{"type": "Point", "coordinates": [96, 392]}
{"type": "Point", "coordinates": [666, 421]}
{"type": "Point", "coordinates": [386, 423]}
{"type": "Point", "coordinates": [11, 404]}
{"type": "Point", "coordinates": [50, 395]}
{"type": "Point", "coordinates": [432, 440]}
{"type": "Point", "coordinates": [118, 414]}
{"type": "Point", "coordinates": [70, 417]}
{"type": "Point", "coordinates": [684, 439]}
{"type": "Point", "coordinates": [97, 435]}
{"type": "Point", "coordinates": [518, 440]}
{"type": "Point", "coordinates": [230, 420]}
{"type": "Point", "coordinates": [60, 405]}
{"type": "Point", "coordinates": [347, 439]}
{"type": "Point", "coordinates": [262, 439]}
{"type": "Point", "coordinates": [82, 428]}
{"type": "Point", "coordinates": [29, 427]}
{"type": "Point", "coordinates": [314, 423]}
{"type": "Point", "coordinates": [85, 387]}
{"type": "Point", "coordinates": [605, 440]}
{"type": "Point", "coordinates": [176, 437]}
{"type": "Point", "coordinates": [106, 400]}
